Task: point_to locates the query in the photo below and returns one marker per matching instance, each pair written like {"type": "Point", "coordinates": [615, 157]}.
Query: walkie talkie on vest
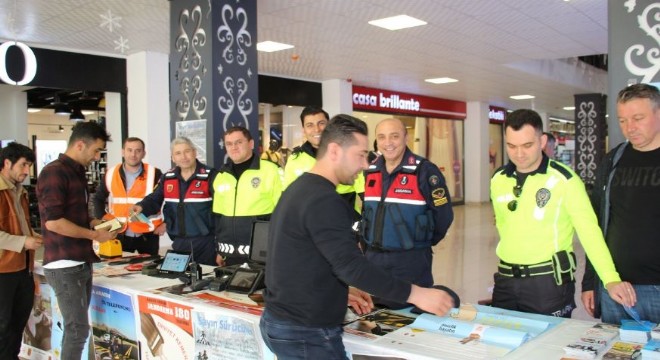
{"type": "Point", "coordinates": [195, 268]}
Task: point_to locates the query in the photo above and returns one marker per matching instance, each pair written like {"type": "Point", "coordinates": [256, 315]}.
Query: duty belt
{"type": "Point", "coordinates": [521, 271]}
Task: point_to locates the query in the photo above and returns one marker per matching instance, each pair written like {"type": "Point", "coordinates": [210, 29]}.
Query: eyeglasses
{"type": "Point", "coordinates": [513, 204]}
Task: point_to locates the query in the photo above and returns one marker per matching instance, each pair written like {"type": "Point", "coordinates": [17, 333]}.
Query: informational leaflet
{"type": "Point", "coordinates": [165, 329]}
{"type": "Point", "coordinates": [468, 331]}
{"type": "Point", "coordinates": [113, 324]}
{"type": "Point", "coordinates": [477, 314]}
{"type": "Point", "coordinates": [228, 337]}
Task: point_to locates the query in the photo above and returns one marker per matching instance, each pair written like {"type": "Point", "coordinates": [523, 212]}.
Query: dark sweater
{"type": "Point", "coordinates": [312, 256]}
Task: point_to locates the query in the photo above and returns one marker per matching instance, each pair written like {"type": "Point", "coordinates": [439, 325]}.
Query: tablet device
{"type": "Point", "coordinates": [245, 281]}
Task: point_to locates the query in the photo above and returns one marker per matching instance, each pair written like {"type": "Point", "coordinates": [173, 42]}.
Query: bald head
{"type": "Point", "coordinates": [392, 122]}
{"type": "Point", "coordinates": [391, 137]}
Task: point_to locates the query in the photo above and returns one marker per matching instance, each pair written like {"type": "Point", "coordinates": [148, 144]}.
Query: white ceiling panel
{"type": "Point", "coordinates": [469, 40]}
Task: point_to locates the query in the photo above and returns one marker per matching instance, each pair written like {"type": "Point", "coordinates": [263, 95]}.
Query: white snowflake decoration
{"type": "Point", "coordinates": [122, 44]}
{"type": "Point", "coordinates": [110, 21]}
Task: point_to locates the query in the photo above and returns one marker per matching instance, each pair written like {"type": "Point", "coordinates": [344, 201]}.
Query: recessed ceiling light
{"type": "Point", "coordinates": [30, 110]}
{"type": "Point", "coordinates": [569, 108]}
{"type": "Point", "coordinates": [270, 46]}
{"type": "Point", "coordinates": [441, 80]}
{"type": "Point", "coordinates": [397, 22]}
{"type": "Point", "coordinates": [88, 112]}
{"type": "Point", "coordinates": [522, 97]}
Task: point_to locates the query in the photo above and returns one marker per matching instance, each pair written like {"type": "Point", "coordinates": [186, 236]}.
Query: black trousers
{"type": "Point", "coordinates": [142, 243]}
{"type": "Point", "coordinates": [534, 294]}
{"type": "Point", "coordinates": [16, 301]}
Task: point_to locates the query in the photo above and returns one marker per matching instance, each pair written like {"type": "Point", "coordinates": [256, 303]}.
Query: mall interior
{"type": "Point", "coordinates": [463, 69]}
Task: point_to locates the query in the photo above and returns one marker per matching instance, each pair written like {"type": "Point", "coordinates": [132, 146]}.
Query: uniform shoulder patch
{"type": "Point", "coordinates": [562, 170]}
{"type": "Point", "coordinates": [439, 197]}
{"type": "Point", "coordinates": [434, 180]}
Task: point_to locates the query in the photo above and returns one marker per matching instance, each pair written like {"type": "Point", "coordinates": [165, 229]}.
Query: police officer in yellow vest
{"type": "Point", "coordinates": [302, 159]}
{"type": "Point", "coordinates": [124, 185]}
{"type": "Point", "coordinates": [539, 204]}
{"type": "Point", "coordinates": [246, 189]}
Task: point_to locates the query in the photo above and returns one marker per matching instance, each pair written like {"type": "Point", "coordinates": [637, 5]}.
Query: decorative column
{"type": "Point", "coordinates": [590, 133]}
{"type": "Point", "coordinates": [213, 72]}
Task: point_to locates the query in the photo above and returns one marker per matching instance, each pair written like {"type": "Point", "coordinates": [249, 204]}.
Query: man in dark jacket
{"type": "Point", "coordinates": [625, 197]}
{"type": "Point", "coordinates": [186, 196]}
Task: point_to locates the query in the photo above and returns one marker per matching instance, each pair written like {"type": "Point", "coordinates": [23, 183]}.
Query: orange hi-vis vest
{"type": "Point", "coordinates": [120, 201]}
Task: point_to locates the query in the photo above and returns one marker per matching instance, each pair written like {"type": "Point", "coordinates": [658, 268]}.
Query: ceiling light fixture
{"type": "Point", "coordinates": [569, 108]}
{"type": "Point", "coordinates": [441, 80]}
{"type": "Point", "coordinates": [271, 46]}
{"type": "Point", "coordinates": [397, 22]}
{"type": "Point", "coordinates": [522, 97]}
{"type": "Point", "coordinates": [31, 110]}
{"type": "Point", "coordinates": [76, 116]}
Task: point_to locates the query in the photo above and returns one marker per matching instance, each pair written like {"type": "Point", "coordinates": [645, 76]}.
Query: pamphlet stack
{"type": "Point", "coordinates": [592, 343]}
{"type": "Point", "coordinates": [623, 351]}
{"type": "Point", "coordinates": [651, 351]}
{"type": "Point", "coordinates": [633, 331]}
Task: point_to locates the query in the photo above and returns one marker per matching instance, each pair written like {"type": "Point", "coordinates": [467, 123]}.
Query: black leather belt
{"type": "Point", "coordinates": [521, 271]}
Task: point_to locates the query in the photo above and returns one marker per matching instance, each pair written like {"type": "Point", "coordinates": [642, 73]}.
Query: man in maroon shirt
{"type": "Point", "coordinates": [68, 232]}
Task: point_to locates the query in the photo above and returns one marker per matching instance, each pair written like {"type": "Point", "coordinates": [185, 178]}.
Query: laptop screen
{"type": "Point", "coordinates": [259, 242]}
{"type": "Point", "coordinates": [175, 262]}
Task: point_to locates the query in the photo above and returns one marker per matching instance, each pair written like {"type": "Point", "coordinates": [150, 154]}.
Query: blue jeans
{"type": "Point", "coordinates": [73, 289]}
{"type": "Point", "coordinates": [289, 341]}
{"type": "Point", "coordinates": [648, 305]}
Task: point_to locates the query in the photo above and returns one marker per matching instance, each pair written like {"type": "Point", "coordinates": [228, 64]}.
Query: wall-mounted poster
{"type": "Point", "coordinates": [47, 151]}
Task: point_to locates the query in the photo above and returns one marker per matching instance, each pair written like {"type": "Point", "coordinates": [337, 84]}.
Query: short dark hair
{"type": "Point", "coordinates": [521, 117]}
{"type": "Point", "coordinates": [640, 91]}
{"type": "Point", "coordinates": [312, 110]}
{"type": "Point", "coordinates": [133, 139]}
{"type": "Point", "coordinates": [14, 152]}
{"type": "Point", "coordinates": [233, 129]}
{"type": "Point", "coordinates": [340, 130]}
{"type": "Point", "coordinates": [88, 132]}
{"type": "Point", "coordinates": [551, 138]}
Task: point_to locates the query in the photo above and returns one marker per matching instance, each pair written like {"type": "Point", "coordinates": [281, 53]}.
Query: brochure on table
{"type": "Point", "coordinates": [469, 332]}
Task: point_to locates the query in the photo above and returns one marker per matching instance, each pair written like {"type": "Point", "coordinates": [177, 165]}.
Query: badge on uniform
{"type": "Point", "coordinates": [439, 197]}
{"type": "Point", "coordinates": [404, 180]}
{"type": "Point", "coordinates": [198, 184]}
{"type": "Point", "coordinates": [170, 187]}
{"type": "Point", "coordinates": [434, 180]}
{"type": "Point", "coordinates": [255, 182]}
{"type": "Point", "coordinates": [542, 197]}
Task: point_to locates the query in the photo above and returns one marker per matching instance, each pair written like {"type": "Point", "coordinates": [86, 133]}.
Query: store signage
{"type": "Point", "coordinates": [28, 57]}
{"type": "Point", "coordinates": [385, 101]}
{"type": "Point", "coordinates": [496, 114]}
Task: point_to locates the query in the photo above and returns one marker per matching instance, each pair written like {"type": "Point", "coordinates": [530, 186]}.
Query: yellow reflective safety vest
{"type": "Point", "coordinates": [302, 162]}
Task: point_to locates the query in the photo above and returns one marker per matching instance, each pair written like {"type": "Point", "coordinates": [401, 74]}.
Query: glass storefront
{"type": "Point", "coordinates": [439, 140]}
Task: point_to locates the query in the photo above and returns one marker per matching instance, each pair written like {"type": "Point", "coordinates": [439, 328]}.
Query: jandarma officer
{"type": "Point", "coordinates": [539, 204]}
{"type": "Point", "coordinates": [407, 208]}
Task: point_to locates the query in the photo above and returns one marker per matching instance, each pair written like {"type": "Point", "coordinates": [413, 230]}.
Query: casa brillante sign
{"type": "Point", "coordinates": [385, 101]}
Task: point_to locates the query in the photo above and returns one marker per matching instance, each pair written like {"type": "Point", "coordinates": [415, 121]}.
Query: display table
{"type": "Point", "coordinates": [139, 317]}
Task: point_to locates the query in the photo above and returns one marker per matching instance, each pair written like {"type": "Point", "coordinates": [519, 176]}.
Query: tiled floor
{"type": "Point", "coordinates": [465, 259]}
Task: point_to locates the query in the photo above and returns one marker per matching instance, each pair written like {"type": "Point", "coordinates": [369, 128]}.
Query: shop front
{"type": "Point", "coordinates": [434, 125]}
{"type": "Point", "coordinates": [496, 117]}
